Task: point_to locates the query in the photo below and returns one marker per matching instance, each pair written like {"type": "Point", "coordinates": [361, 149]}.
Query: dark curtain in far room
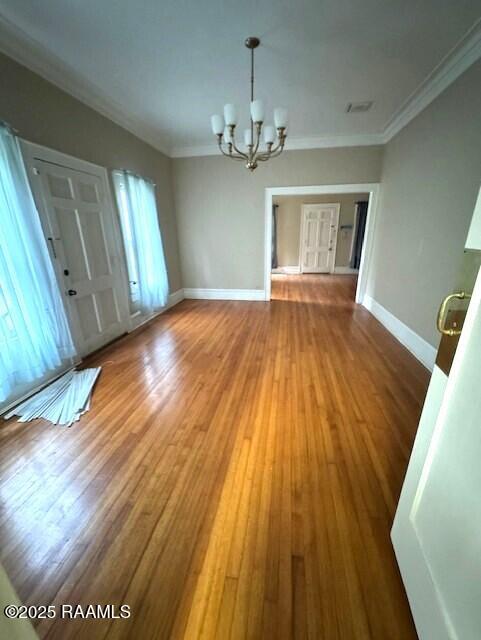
{"type": "Point", "coordinates": [274, 263]}
{"type": "Point", "coordinates": [360, 231]}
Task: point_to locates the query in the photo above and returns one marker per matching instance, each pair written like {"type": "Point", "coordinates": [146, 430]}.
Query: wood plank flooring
{"type": "Point", "coordinates": [236, 477]}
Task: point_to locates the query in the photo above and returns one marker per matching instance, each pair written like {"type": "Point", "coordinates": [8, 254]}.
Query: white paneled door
{"type": "Point", "coordinates": [318, 237]}
{"type": "Point", "coordinates": [78, 219]}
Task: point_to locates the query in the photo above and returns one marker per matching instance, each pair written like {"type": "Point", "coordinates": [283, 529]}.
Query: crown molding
{"type": "Point", "coordinates": [194, 151]}
{"type": "Point", "coordinates": [17, 44]}
{"type": "Point", "coordinates": [292, 144]}
{"type": "Point", "coordinates": [465, 53]}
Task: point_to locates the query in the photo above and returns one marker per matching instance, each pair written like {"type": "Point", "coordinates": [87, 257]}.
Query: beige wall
{"type": "Point", "coordinates": [44, 114]}
{"type": "Point", "coordinates": [289, 225]}
{"type": "Point", "coordinates": [220, 208]}
{"type": "Point", "coordinates": [430, 180]}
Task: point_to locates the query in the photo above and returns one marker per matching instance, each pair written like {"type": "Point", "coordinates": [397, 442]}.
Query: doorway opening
{"type": "Point", "coordinates": [320, 230]}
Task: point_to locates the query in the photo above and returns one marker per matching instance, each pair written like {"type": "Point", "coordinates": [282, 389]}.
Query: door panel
{"type": "Point", "coordinates": [84, 243]}
{"type": "Point", "coordinates": [60, 186]}
{"type": "Point", "coordinates": [446, 513]}
{"type": "Point", "coordinates": [318, 237]}
{"type": "Point", "coordinates": [96, 245]}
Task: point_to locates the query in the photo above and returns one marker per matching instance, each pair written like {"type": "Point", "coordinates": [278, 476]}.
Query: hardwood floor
{"type": "Point", "coordinates": [236, 477]}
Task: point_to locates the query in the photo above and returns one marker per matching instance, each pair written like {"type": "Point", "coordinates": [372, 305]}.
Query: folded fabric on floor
{"type": "Point", "coordinates": [61, 402]}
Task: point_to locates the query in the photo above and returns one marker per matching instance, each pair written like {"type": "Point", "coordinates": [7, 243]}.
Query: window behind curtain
{"type": "Point", "coordinates": [148, 281]}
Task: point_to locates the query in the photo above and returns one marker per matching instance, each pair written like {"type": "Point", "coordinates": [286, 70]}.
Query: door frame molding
{"type": "Point", "coordinates": [373, 188]}
{"type": "Point", "coordinates": [337, 205]}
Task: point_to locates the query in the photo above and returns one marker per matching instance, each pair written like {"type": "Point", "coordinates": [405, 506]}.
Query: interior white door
{"type": "Point", "coordinates": [437, 528]}
{"type": "Point", "coordinates": [79, 220]}
{"type": "Point", "coordinates": [318, 237]}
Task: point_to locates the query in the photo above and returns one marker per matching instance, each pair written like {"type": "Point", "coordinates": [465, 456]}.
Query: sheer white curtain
{"type": "Point", "coordinates": [34, 333]}
{"type": "Point", "coordinates": [149, 283]}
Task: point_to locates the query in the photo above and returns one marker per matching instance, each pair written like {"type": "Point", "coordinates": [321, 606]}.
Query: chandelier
{"type": "Point", "coordinates": [224, 127]}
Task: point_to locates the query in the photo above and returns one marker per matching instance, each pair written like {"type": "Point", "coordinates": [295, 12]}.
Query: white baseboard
{"type": "Point", "coordinates": [345, 270]}
{"type": "Point", "coordinates": [139, 320]}
{"type": "Point", "coordinates": [224, 294]}
{"type": "Point", "coordinates": [422, 350]}
{"type": "Point", "coordinates": [175, 298]}
{"type": "Point", "coordinates": [288, 270]}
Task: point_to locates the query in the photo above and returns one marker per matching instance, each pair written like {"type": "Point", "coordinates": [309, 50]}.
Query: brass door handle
{"type": "Point", "coordinates": [443, 309]}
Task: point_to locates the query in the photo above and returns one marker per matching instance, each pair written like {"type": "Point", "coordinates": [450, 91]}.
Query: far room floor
{"type": "Point", "coordinates": [237, 476]}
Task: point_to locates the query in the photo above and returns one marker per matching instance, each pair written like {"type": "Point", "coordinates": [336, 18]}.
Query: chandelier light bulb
{"type": "Point", "coordinates": [217, 124]}
{"type": "Point", "coordinates": [257, 111]}
{"type": "Point", "coordinates": [247, 137]}
{"type": "Point", "coordinates": [269, 134]}
{"type": "Point", "coordinates": [280, 118]}
{"type": "Point", "coordinates": [230, 114]}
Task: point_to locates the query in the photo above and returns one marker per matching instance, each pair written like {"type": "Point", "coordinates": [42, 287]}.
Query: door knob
{"type": "Point", "coordinates": [443, 310]}
{"type": "Point", "coordinates": [71, 292]}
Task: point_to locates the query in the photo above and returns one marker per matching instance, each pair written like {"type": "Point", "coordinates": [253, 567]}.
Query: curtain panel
{"type": "Point", "coordinates": [359, 237]}
{"type": "Point", "coordinates": [149, 284]}
{"type": "Point", "coordinates": [35, 336]}
{"type": "Point", "coordinates": [274, 261]}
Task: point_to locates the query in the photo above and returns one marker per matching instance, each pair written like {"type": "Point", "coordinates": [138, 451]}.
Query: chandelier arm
{"type": "Point", "coordinates": [280, 144]}
{"type": "Point", "coordinates": [278, 151]}
{"type": "Point", "coordinates": [243, 155]}
{"type": "Point", "coordinates": [229, 155]}
{"type": "Point", "coordinates": [232, 156]}
{"type": "Point", "coordinates": [258, 134]}
{"type": "Point", "coordinates": [235, 156]}
{"type": "Point", "coordinates": [273, 149]}
{"type": "Point", "coordinates": [263, 156]}
{"type": "Point", "coordinates": [273, 153]}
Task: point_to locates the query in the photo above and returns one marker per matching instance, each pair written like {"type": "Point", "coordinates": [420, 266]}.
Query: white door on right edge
{"type": "Point", "coordinates": [318, 237]}
{"type": "Point", "coordinates": [437, 528]}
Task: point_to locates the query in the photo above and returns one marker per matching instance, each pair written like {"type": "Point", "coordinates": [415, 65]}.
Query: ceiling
{"type": "Point", "coordinates": [161, 68]}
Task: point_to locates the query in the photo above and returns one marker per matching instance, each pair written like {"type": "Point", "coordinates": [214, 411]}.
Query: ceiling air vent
{"type": "Point", "coordinates": [358, 107]}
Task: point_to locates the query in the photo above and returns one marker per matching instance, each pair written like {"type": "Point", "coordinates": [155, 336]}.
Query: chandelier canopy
{"type": "Point", "coordinates": [224, 127]}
